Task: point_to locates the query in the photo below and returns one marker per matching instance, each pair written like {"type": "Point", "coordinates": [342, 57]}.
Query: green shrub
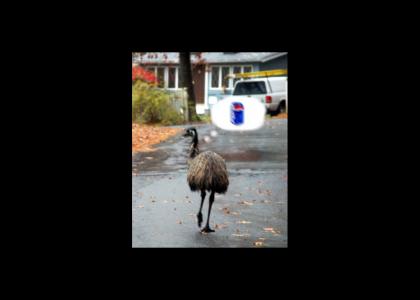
{"type": "Point", "coordinates": [152, 105]}
{"type": "Point", "coordinates": [172, 117]}
{"type": "Point", "coordinates": [205, 118]}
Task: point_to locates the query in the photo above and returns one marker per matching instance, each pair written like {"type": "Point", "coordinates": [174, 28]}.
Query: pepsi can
{"type": "Point", "coordinates": [237, 113]}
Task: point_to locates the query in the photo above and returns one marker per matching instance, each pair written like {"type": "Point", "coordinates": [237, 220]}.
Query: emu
{"type": "Point", "coordinates": [206, 172]}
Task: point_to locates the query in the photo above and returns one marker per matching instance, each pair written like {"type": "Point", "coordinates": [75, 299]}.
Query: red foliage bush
{"type": "Point", "coordinates": [142, 74]}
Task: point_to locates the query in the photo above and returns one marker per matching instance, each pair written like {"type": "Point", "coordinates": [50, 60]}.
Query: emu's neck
{"type": "Point", "coordinates": [194, 151]}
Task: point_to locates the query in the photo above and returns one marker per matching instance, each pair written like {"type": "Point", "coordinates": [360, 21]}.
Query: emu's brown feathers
{"type": "Point", "coordinates": [207, 171]}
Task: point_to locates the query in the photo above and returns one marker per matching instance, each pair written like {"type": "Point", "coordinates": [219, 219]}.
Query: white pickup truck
{"type": "Point", "coordinates": [272, 91]}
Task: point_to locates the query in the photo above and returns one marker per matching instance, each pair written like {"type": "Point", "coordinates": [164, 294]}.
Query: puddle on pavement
{"type": "Point", "coordinates": [249, 155]}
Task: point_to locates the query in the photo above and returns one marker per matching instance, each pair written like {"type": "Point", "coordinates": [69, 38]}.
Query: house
{"type": "Point", "coordinates": [209, 70]}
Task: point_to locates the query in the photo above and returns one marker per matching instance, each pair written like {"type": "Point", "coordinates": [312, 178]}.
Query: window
{"type": "Point", "coordinates": [171, 77]}
{"type": "Point", "coordinates": [236, 70]}
{"type": "Point", "coordinates": [168, 77]}
{"type": "Point", "coordinates": [247, 69]}
{"type": "Point", "coordinates": [225, 81]}
{"type": "Point", "coordinates": [161, 77]}
{"type": "Point", "coordinates": [219, 73]}
{"type": "Point", "coordinates": [215, 77]}
{"type": "Point", "coordinates": [250, 88]}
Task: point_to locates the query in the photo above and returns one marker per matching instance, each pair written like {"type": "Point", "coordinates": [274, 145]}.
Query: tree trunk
{"type": "Point", "coordinates": [186, 81]}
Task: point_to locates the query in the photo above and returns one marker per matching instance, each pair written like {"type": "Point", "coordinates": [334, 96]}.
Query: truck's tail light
{"type": "Point", "coordinates": [268, 99]}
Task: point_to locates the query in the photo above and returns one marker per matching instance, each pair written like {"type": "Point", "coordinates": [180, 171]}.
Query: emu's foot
{"type": "Point", "coordinates": [207, 229]}
{"type": "Point", "coordinates": [199, 219]}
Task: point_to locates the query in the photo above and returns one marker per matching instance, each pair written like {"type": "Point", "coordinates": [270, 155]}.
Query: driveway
{"type": "Point", "coordinates": [253, 212]}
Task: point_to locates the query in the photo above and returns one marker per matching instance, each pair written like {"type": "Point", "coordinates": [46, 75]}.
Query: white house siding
{"type": "Point", "coordinates": [276, 63]}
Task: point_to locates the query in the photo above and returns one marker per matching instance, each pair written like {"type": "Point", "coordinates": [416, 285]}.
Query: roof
{"type": "Point", "coordinates": [208, 57]}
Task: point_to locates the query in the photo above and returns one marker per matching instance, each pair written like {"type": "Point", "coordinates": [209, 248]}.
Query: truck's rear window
{"type": "Point", "coordinates": [250, 88]}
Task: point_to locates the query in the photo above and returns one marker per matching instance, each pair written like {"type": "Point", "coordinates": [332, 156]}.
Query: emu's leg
{"type": "Point", "coordinates": [211, 200]}
{"type": "Point", "coordinates": [199, 215]}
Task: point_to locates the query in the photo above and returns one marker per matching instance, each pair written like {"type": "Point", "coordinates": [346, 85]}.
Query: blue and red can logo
{"type": "Point", "coordinates": [237, 113]}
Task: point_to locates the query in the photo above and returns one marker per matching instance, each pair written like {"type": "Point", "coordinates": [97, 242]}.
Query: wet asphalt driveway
{"type": "Point", "coordinates": [253, 212]}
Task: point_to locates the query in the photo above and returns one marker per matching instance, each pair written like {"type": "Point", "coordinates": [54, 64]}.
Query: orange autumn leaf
{"type": "Point", "coordinates": [280, 116]}
{"type": "Point", "coordinates": [145, 136]}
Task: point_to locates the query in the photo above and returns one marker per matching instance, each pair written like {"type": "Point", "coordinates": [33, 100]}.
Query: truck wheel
{"type": "Point", "coordinates": [276, 112]}
{"type": "Point", "coordinates": [282, 106]}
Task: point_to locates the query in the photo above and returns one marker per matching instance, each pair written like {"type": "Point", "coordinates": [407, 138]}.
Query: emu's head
{"type": "Point", "coordinates": [192, 132]}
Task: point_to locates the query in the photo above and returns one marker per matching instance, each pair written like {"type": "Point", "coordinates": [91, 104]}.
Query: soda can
{"type": "Point", "coordinates": [237, 113]}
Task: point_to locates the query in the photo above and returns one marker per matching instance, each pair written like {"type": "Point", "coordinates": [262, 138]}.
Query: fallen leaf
{"type": "Point", "coordinates": [243, 222]}
{"type": "Point", "coordinates": [219, 226]}
{"type": "Point", "coordinates": [140, 206]}
{"type": "Point", "coordinates": [270, 229]}
{"type": "Point", "coordinates": [258, 244]}
{"type": "Point", "coordinates": [246, 203]}
{"type": "Point", "coordinates": [226, 210]}
{"type": "Point", "coordinates": [179, 222]}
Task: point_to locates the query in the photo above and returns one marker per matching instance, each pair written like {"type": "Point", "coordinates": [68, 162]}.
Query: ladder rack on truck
{"type": "Point", "coordinates": [277, 72]}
